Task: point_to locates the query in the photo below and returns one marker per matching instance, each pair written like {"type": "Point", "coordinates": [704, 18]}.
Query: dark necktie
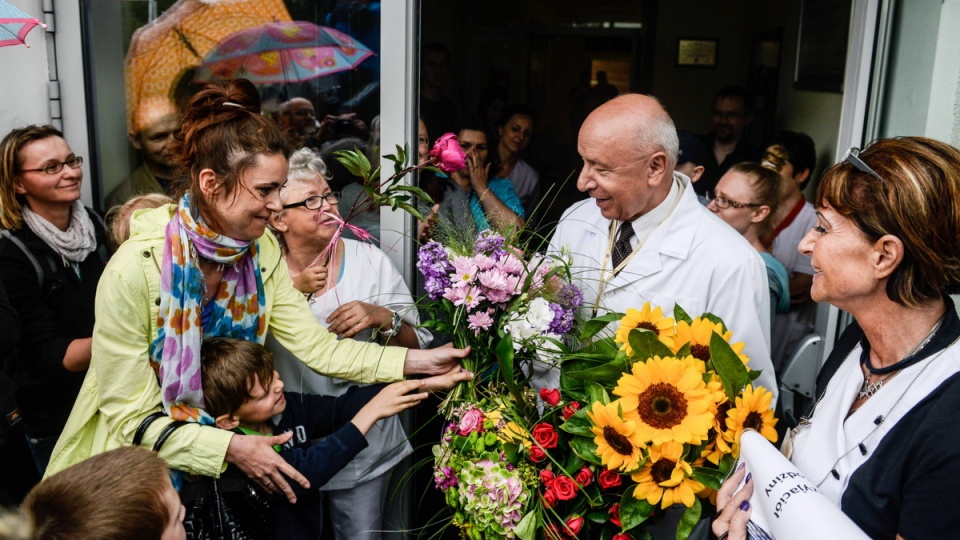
{"type": "Point", "coordinates": [621, 248]}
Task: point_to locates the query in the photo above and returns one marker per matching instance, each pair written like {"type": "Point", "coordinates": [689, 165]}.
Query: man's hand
{"type": "Point", "coordinates": [436, 361]}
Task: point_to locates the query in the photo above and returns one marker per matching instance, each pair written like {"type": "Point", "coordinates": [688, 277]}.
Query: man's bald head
{"type": "Point", "coordinates": [643, 118]}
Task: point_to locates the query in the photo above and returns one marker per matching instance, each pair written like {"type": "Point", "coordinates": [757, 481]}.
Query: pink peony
{"type": "Point", "coordinates": [471, 421]}
{"type": "Point", "coordinates": [447, 154]}
{"type": "Point", "coordinates": [480, 320]}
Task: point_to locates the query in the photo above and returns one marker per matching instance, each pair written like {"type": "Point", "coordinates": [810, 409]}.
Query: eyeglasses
{"type": "Point", "coordinates": [725, 203]}
{"type": "Point", "coordinates": [315, 202]}
{"type": "Point", "coordinates": [54, 168]}
{"type": "Point", "coordinates": [853, 157]}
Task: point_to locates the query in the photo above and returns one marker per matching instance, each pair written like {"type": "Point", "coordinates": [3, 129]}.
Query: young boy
{"type": "Point", "coordinates": [242, 392]}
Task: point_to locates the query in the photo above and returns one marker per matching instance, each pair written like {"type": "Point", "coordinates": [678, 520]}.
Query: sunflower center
{"type": "Point", "coordinates": [753, 420]}
{"type": "Point", "coordinates": [722, 413]}
{"type": "Point", "coordinates": [662, 470]}
{"type": "Point", "coordinates": [617, 442]}
{"type": "Point", "coordinates": [700, 352]}
{"type": "Point", "coordinates": [662, 406]}
{"type": "Point", "coordinates": [649, 326]}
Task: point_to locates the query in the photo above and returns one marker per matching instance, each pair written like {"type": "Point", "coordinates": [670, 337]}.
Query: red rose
{"type": "Point", "coordinates": [615, 515]}
{"type": "Point", "coordinates": [537, 454]}
{"type": "Point", "coordinates": [546, 477]}
{"type": "Point", "coordinates": [447, 154]}
{"type": "Point", "coordinates": [584, 476]}
{"type": "Point", "coordinates": [574, 523]}
{"type": "Point", "coordinates": [552, 532]}
{"type": "Point", "coordinates": [571, 409]}
{"type": "Point", "coordinates": [609, 479]}
{"type": "Point", "coordinates": [550, 396]}
{"type": "Point", "coordinates": [622, 536]}
{"type": "Point", "coordinates": [549, 498]}
{"type": "Point", "coordinates": [565, 487]}
{"type": "Point", "coordinates": [545, 435]}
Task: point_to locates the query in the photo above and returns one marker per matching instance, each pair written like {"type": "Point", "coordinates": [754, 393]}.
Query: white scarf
{"type": "Point", "coordinates": [74, 244]}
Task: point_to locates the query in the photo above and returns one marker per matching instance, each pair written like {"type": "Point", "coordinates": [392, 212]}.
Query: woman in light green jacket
{"type": "Point", "coordinates": [205, 267]}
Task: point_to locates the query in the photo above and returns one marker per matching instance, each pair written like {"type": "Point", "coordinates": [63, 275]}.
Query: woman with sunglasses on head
{"type": "Point", "coordinates": [355, 291]}
{"type": "Point", "coordinates": [50, 265]}
{"type": "Point", "coordinates": [204, 267]}
{"type": "Point", "coordinates": [746, 197]}
{"type": "Point", "coordinates": [882, 440]}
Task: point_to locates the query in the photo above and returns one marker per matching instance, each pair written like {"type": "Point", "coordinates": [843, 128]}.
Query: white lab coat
{"type": "Point", "coordinates": [693, 259]}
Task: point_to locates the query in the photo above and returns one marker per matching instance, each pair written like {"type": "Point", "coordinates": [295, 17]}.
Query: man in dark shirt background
{"type": "Point", "coordinates": [726, 144]}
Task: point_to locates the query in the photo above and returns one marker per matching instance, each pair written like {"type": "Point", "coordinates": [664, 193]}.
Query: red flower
{"type": "Point", "coordinates": [549, 498]}
{"type": "Point", "coordinates": [584, 476]}
{"type": "Point", "coordinates": [550, 396]}
{"type": "Point", "coordinates": [447, 154]}
{"type": "Point", "coordinates": [615, 515]}
{"type": "Point", "coordinates": [546, 477]}
{"type": "Point", "coordinates": [622, 536]}
{"type": "Point", "coordinates": [571, 409]}
{"type": "Point", "coordinates": [552, 532]}
{"type": "Point", "coordinates": [545, 435]}
{"type": "Point", "coordinates": [537, 454]}
{"type": "Point", "coordinates": [609, 479]}
{"type": "Point", "coordinates": [574, 523]}
{"type": "Point", "coordinates": [565, 487]}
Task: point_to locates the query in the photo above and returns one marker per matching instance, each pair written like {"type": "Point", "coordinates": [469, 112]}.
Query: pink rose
{"type": "Point", "coordinates": [471, 421]}
{"type": "Point", "coordinates": [574, 523]}
{"type": "Point", "coordinates": [447, 154]}
{"type": "Point", "coordinates": [550, 396]}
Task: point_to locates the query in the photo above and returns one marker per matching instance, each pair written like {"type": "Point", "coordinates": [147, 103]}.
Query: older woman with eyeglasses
{"type": "Point", "coordinates": [355, 291]}
{"type": "Point", "coordinates": [50, 262]}
{"type": "Point", "coordinates": [882, 440]}
{"type": "Point", "coordinates": [746, 197]}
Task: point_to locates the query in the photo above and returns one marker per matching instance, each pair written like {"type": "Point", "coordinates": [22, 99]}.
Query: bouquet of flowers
{"type": "Point", "coordinates": [644, 420]}
{"type": "Point", "coordinates": [486, 294]}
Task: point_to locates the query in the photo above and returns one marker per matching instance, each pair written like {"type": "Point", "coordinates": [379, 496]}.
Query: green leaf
{"type": "Point", "coordinates": [633, 511]}
{"type": "Point", "coordinates": [710, 477]}
{"type": "Point", "coordinates": [728, 366]}
{"type": "Point", "coordinates": [579, 424]}
{"type": "Point", "coordinates": [679, 314]}
{"type": "Point", "coordinates": [596, 324]}
{"type": "Point", "coordinates": [573, 463]}
{"type": "Point", "coordinates": [684, 351]}
{"type": "Point", "coordinates": [597, 516]}
{"type": "Point", "coordinates": [714, 319]}
{"type": "Point", "coordinates": [646, 345]}
{"type": "Point", "coordinates": [504, 352]}
{"type": "Point", "coordinates": [609, 372]}
{"type": "Point", "coordinates": [586, 449]}
{"type": "Point", "coordinates": [689, 520]}
{"type": "Point", "coordinates": [527, 528]}
{"type": "Point", "coordinates": [752, 375]}
{"type": "Point", "coordinates": [596, 392]}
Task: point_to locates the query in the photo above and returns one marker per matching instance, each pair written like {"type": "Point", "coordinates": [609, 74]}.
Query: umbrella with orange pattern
{"type": "Point", "coordinates": [164, 51]}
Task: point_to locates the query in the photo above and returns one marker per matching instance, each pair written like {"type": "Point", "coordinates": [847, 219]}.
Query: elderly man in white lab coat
{"type": "Point", "coordinates": [676, 251]}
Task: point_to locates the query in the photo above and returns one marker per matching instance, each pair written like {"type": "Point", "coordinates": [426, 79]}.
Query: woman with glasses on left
{"type": "Point", "coordinates": [51, 259]}
{"type": "Point", "coordinates": [746, 197]}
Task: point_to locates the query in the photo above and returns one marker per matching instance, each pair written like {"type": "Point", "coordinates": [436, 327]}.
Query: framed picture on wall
{"type": "Point", "coordinates": [822, 47]}
{"type": "Point", "coordinates": [697, 52]}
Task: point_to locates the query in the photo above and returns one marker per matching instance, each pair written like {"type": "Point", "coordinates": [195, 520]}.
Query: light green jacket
{"type": "Point", "coordinates": [121, 388]}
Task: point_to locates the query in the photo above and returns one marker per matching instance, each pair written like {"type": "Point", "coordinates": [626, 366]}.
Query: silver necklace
{"type": "Point", "coordinates": [868, 388]}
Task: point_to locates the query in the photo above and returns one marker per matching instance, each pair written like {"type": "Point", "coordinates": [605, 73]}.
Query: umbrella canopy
{"type": "Point", "coordinates": [163, 51]}
{"type": "Point", "coordinates": [14, 25]}
{"type": "Point", "coordinates": [282, 52]}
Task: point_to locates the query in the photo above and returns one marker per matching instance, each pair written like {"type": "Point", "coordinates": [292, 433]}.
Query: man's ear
{"type": "Point", "coordinates": [135, 140]}
{"type": "Point", "coordinates": [209, 184]}
{"type": "Point", "coordinates": [658, 169]}
{"type": "Point", "coordinates": [801, 177]}
{"type": "Point", "coordinates": [227, 421]}
{"type": "Point", "coordinates": [696, 173]}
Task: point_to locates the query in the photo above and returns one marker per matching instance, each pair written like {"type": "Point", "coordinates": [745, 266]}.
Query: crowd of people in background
{"type": "Point", "coordinates": [214, 177]}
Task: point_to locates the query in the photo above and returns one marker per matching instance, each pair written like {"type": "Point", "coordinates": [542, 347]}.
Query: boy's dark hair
{"type": "Point", "coordinates": [801, 152]}
{"type": "Point", "coordinates": [229, 367]}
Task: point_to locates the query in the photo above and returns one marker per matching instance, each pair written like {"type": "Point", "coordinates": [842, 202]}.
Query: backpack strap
{"type": "Point", "coordinates": [29, 254]}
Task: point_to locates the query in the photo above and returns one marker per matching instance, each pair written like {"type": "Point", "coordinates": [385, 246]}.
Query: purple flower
{"type": "Point", "coordinates": [562, 319]}
{"type": "Point", "coordinates": [488, 242]}
{"type": "Point", "coordinates": [435, 265]}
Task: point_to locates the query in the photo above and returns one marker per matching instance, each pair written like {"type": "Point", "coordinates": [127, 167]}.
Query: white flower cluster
{"type": "Point", "coordinates": [528, 326]}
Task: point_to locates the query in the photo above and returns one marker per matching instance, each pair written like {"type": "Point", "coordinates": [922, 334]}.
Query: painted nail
{"type": "Point", "coordinates": [745, 505]}
{"type": "Point", "coordinates": [749, 476]}
{"type": "Point", "coordinates": [740, 467]}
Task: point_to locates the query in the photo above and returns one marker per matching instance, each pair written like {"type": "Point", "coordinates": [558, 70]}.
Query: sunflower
{"type": "Point", "coordinates": [647, 319]}
{"type": "Point", "coordinates": [668, 399]}
{"type": "Point", "coordinates": [618, 442]}
{"type": "Point", "coordinates": [751, 411]}
{"type": "Point", "coordinates": [697, 334]}
{"type": "Point", "coordinates": [666, 478]}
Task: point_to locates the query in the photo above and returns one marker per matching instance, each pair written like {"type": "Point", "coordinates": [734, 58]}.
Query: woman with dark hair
{"type": "Point", "coordinates": [493, 201]}
{"type": "Point", "coordinates": [50, 265]}
{"type": "Point", "coordinates": [882, 441]}
{"type": "Point", "coordinates": [204, 267]}
{"type": "Point", "coordinates": [515, 132]}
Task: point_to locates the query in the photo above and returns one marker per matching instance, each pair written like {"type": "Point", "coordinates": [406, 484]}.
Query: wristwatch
{"type": "Point", "coordinates": [395, 321]}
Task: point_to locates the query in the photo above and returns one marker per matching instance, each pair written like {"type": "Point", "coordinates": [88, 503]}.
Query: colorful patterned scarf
{"type": "Point", "coordinates": [235, 311]}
